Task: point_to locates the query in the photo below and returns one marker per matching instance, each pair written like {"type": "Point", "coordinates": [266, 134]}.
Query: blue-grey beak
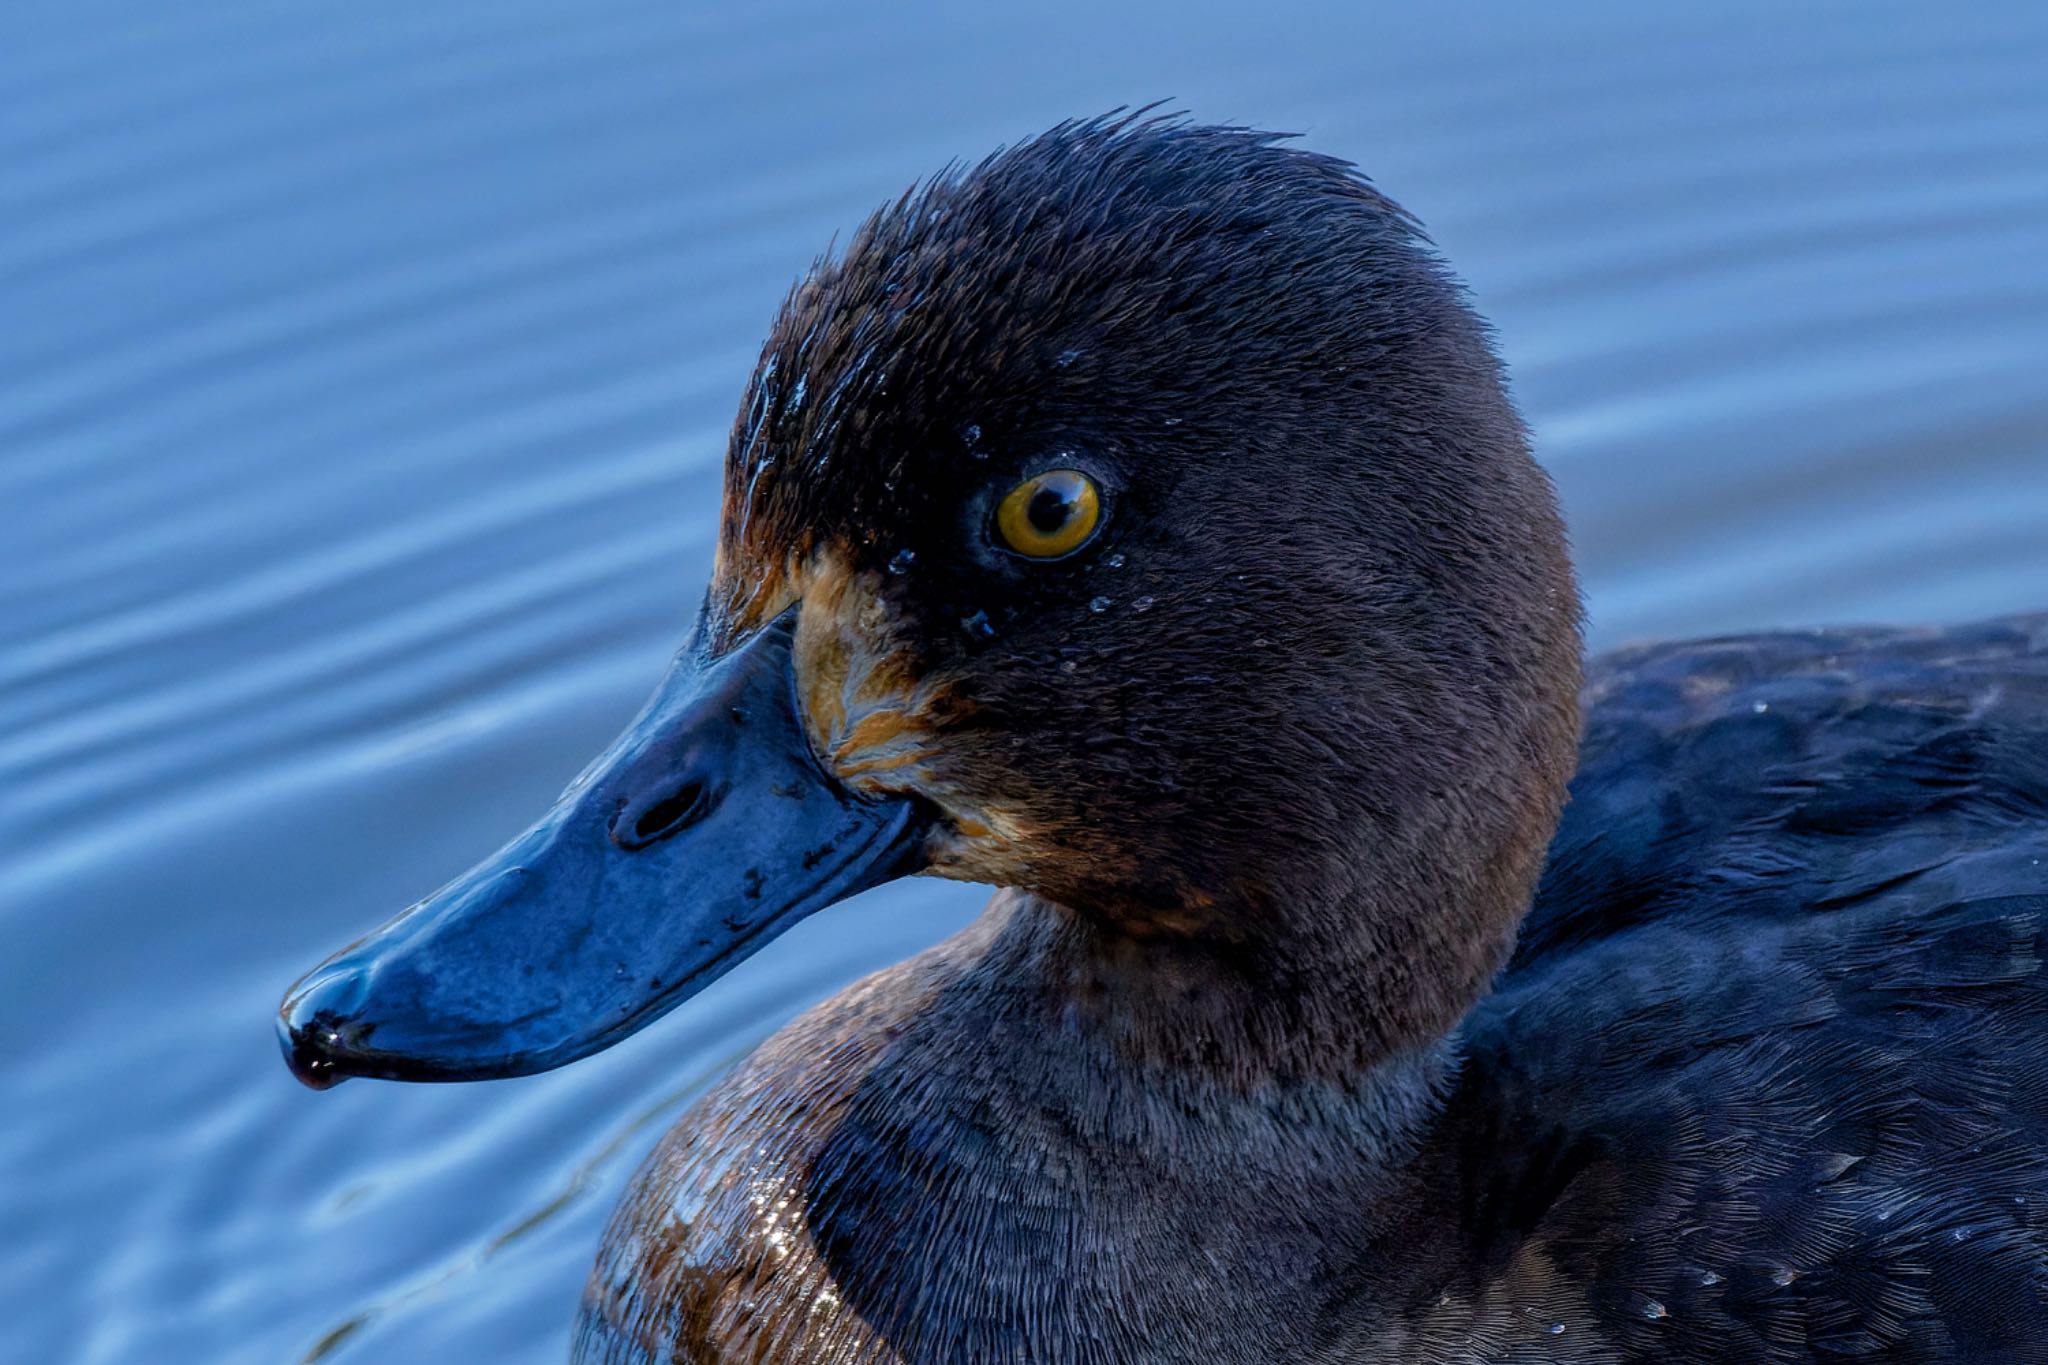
{"type": "Point", "coordinates": [707, 829]}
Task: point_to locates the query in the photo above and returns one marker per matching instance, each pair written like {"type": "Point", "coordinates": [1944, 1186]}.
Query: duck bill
{"type": "Point", "coordinates": [704, 831]}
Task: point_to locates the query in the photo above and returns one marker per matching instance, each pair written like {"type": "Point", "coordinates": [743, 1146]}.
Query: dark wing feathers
{"type": "Point", "coordinates": [1763, 776]}
{"type": "Point", "coordinates": [1782, 998]}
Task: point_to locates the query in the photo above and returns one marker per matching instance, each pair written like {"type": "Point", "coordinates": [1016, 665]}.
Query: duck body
{"type": "Point", "coordinates": [1138, 522]}
{"type": "Point", "coordinates": [1770, 1041]}
{"type": "Point", "coordinates": [1763, 1082]}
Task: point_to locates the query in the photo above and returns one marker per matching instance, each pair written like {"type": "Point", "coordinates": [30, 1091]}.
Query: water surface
{"type": "Point", "coordinates": [364, 372]}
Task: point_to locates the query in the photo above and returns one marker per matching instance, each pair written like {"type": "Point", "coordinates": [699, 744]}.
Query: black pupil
{"type": "Point", "coordinates": [1049, 509]}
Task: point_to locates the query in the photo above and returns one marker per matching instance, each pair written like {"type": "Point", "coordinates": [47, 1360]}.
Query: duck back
{"type": "Point", "coordinates": [1765, 1079]}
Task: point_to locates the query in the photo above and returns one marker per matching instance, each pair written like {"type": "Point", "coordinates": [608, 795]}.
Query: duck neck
{"type": "Point", "coordinates": [1220, 1025]}
{"type": "Point", "coordinates": [1101, 1113]}
{"type": "Point", "coordinates": [1327, 993]}
{"type": "Point", "coordinates": [1039, 1126]}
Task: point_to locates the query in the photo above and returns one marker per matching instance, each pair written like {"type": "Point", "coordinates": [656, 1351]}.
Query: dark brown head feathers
{"type": "Point", "coordinates": [1314, 678]}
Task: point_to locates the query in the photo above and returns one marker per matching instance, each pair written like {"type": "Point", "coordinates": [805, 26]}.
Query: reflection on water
{"type": "Point", "coordinates": [363, 383]}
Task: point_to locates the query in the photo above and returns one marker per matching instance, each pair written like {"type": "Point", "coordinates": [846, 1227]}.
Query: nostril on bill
{"type": "Point", "coordinates": [670, 814]}
{"type": "Point", "coordinates": [639, 823]}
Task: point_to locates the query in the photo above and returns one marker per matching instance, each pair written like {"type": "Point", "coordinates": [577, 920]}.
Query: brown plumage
{"type": "Point", "coordinates": [1236, 1068]}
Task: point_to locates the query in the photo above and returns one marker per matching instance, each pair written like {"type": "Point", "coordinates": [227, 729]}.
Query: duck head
{"type": "Point", "coordinates": [1137, 520]}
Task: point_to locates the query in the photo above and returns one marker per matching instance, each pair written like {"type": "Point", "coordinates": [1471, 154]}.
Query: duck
{"type": "Point", "coordinates": [1138, 522]}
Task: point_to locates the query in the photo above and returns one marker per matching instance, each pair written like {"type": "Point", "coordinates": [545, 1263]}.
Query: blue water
{"type": "Point", "coordinates": [364, 374]}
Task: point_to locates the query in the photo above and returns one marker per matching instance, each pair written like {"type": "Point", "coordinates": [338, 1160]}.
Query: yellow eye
{"type": "Point", "coordinates": [1049, 514]}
